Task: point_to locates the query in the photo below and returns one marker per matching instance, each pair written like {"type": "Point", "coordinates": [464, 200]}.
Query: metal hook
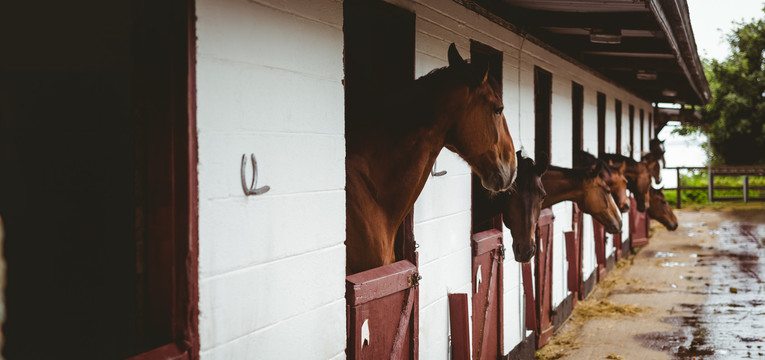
{"type": "Point", "coordinates": [434, 173]}
{"type": "Point", "coordinates": [251, 190]}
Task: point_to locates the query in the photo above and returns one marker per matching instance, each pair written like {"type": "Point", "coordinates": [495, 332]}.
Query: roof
{"type": "Point", "coordinates": [646, 46]}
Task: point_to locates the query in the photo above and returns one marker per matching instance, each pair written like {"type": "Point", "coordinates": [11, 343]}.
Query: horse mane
{"type": "Point", "coordinates": [617, 157]}
{"type": "Point", "coordinates": [574, 173]}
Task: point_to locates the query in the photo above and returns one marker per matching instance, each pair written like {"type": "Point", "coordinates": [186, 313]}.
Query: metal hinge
{"type": "Point", "coordinates": [501, 252]}
{"type": "Point", "coordinates": [414, 279]}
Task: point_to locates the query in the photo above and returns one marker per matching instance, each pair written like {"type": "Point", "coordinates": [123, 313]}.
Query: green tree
{"type": "Point", "coordinates": [735, 118]}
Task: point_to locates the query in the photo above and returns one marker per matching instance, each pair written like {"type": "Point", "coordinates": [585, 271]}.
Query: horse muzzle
{"type": "Point", "coordinates": [525, 253]}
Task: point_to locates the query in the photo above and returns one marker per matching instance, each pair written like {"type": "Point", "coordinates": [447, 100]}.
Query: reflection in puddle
{"type": "Point", "coordinates": [675, 264]}
{"type": "Point", "coordinates": [731, 323]}
{"type": "Point", "coordinates": [665, 254]}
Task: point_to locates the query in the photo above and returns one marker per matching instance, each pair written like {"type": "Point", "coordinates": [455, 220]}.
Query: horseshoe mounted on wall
{"type": "Point", "coordinates": [252, 190]}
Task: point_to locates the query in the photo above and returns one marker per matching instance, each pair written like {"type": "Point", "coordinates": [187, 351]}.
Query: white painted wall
{"type": "Point", "coordinates": [271, 267]}
{"type": "Point", "coordinates": [265, 282]}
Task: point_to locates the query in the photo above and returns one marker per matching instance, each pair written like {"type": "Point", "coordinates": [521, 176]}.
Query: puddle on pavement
{"type": "Point", "coordinates": [731, 323]}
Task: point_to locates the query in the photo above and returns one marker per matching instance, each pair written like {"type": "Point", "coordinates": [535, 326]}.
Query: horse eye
{"type": "Point", "coordinates": [498, 111]}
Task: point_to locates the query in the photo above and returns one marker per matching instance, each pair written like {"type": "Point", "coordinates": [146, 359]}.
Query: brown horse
{"type": "Point", "coordinates": [660, 210]}
{"type": "Point", "coordinates": [638, 177]}
{"type": "Point", "coordinates": [614, 176]}
{"type": "Point", "coordinates": [586, 187]}
{"type": "Point", "coordinates": [388, 163]}
{"type": "Point", "coordinates": [520, 206]}
{"type": "Point", "coordinates": [653, 163]}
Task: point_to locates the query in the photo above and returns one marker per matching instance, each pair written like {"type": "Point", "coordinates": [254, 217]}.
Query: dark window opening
{"type": "Point", "coordinates": [601, 123]}
{"type": "Point", "coordinates": [542, 113]}
{"type": "Point", "coordinates": [618, 111]}
{"type": "Point", "coordinates": [577, 116]}
{"type": "Point", "coordinates": [642, 130]}
{"type": "Point", "coordinates": [102, 266]}
{"type": "Point", "coordinates": [632, 130]}
{"type": "Point", "coordinates": [379, 61]}
{"type": "Point", "coordinates": [482, 217]}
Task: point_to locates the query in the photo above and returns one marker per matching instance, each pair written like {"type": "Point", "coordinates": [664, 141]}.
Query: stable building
{"type": "Point", "coordinates": [174, 174]}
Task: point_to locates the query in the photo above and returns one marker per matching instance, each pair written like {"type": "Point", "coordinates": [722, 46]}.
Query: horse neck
{"type": "Point", "coordinates": [562, 184]}
{"type": "Point", "coordinates": [397, 158]}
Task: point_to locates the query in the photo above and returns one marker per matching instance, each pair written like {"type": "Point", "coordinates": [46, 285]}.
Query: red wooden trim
{"type": "Point", "coordinates": [191, 313]}
{"type": "Point", "coordinates": [459, 325]}
{"type": "Point", "coordinates": [403, 324]}
{"type": "Point", "coordinates": [485, 330]}
{"type": "Point", "coordinates": [600, 247]}
{"type": "Point", "coordinates": [414, 347]}
{"type": "Point", "coordinates": [546, 217]}
{"type": "Point", "coordinates": [378, 282]}
{"type": "Point", "coordinates": [486, 241]}
{"type": "Point", "coordinates": [617, 243]}
{"type": "Point", "coordinates": [167, 352]}
{"type": "Point", "coordinates": [528, 291]}
{"type": "Point", "coordinates": [574, 263]}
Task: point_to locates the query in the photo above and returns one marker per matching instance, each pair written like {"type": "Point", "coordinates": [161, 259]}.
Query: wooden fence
{"type": "Point", "coordinates": [715, 171]}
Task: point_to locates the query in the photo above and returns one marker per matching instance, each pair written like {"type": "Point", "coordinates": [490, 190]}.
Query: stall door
{"type": "Point", "coordinates": [488, 254]}
{"type": "Point", "coordinates": [544, 261]}
{"type": "Point", "coordinates": [574, 253]}
{"type": "Point", "coordinates": [638, 226]}
{"type": "Point", "coordinates": [600, 248]}
{"type": "Point", "coordinates": [381, 307]}
{"type": "Point", "coordinates": [382, 303]}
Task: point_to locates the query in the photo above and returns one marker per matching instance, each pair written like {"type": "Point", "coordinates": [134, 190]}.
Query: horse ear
{"type": "Point", "coordinates": [481, 73]}
{"type": "Point", "coordinates": [540, 168]}
{"type": "Point", "coordinates": [623, 167]}
{"type": "Point", "coordinates": [454, 56]}
{"type": "Point", "coordinates": [595, 169]}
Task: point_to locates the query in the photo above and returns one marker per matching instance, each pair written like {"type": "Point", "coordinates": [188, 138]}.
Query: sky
{"type": "Point", "coordinates": [711, 21]}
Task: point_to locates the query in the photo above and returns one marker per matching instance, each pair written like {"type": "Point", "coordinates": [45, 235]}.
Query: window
{"type": "Point", "coordinates": [577, 115]}
{"type": "Point", "coordinates": [642, 130]}
{"type": "Point", "coordinates": [601, 123]}
{"type": "Point", "coordinates": [632, 130]}
{"type": "Point", "coordinates": [484, 220]}
{"type": "Point", "coordinates": [542, 112]}
{"type": "Point", "coordinates": [618, 111]}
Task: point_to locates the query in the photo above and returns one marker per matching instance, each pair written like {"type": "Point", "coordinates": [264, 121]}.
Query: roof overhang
{"type": "Point", "coordinates": [645, 46]}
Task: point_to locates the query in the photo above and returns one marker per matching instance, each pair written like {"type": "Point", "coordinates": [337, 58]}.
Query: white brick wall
{"type": "Point", "coordinates": [272, 267]}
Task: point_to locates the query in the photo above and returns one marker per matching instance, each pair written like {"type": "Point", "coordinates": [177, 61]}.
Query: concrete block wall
{"type": "Point", "coordinates": [271, 267]}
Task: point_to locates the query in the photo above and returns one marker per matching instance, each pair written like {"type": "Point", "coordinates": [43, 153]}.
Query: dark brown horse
{"type": "Point", "coordinates": [520, 206]}
{"type": "Point", "coordinates": [614, 176]}
{"type": "Point", "coordinates": [586, 187]}
{"type": "Point", "coordinates": [388, 162]}
{"type": "Point", "coordinates": [638, 177]}
{"type": "Point", "coordinates": [660, 210]}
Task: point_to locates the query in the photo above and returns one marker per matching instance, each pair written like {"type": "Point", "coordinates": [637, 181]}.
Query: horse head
{"type": "Point", "coordinates": [660, 210]}
{"type": "Point", "coordinates": [521, 207]}
{"type": "Point", "coordinates": [597, 200]}
{"type": "Point", "coordinates": [478, 130]}
{"type": "Point", "coordinates": [612, 173]}
{"type": "Point", "coordinates": [652, 162]}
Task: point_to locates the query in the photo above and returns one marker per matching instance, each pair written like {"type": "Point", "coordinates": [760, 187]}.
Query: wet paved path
{"type": "Point", "coordinates": [702, 288]}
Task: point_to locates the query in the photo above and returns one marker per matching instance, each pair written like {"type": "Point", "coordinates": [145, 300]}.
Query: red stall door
{"type": "Point", "coordinates": [543, 279]}
{"type": "Point", "coordinates": [574, 253]}
{"type": "Point", "coordinates": [488, 254]}
{"type": "Point", "coordinates": [382, 312]}
{"type": "Point", "coordinates": [638, 226]}
{"type": "Point", "coordinates": [600, 248]}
